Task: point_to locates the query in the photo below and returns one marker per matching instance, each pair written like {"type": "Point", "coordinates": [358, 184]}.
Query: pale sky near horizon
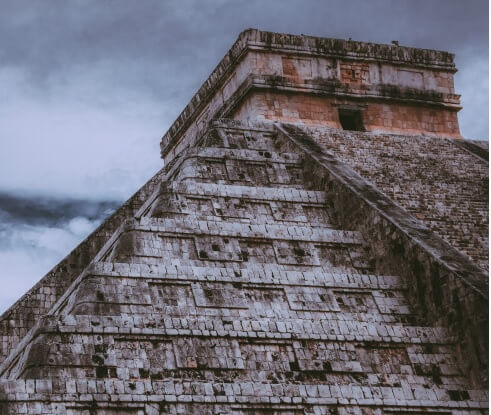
{"type": "Point", "coordinates": [88, 88]}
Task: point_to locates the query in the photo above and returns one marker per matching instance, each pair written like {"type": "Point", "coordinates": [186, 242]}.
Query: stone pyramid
{"type": "Point", "coordinates": [257, 273]}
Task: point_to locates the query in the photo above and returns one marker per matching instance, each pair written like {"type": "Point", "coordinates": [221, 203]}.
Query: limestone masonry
{"type": "Point", "coordinates": [315, 244]}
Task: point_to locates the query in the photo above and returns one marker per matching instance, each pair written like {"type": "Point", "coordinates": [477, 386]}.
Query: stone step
{"type": "Point", "coordinates": [255, 273]}
{"type": "Point", "coordinates": [243, 154]}
{"type": "Point", "coordinates": [190, 226]}
{"type": "Point", "coordinates": [244, 167]}
{"type": "Point", "coordinates": [241, 139]}
{"type": "Point", "coordinates": [224, 360]}
{"type": "Point", "coordinates": [216, 326]}
{"type": "Point", "coordinates": [71, 332]}
{"type": "Point", "coordinates": [96, 295]}
{"type": "Point", "coordinates": [221, 202]}
{"type": "Point", "coordinates": [205, 243]}
{"type": "Point", "coordinates": [282, 194]}
{"type": "Point", "coordinates": [241, 204]}
{"type": "Point", "coordinates": [181, 296]}
{"type": "Point", "coordinates": [186, 396]}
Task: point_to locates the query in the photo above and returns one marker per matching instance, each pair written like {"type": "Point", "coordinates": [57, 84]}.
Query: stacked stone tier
{"type": "Point", "coordinates": [234, 291]}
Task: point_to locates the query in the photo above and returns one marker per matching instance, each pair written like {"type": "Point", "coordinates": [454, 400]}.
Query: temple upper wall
{"type": "Point", "coordinates": [337, 83]}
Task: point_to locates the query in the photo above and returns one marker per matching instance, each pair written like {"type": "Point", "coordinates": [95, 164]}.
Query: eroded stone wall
{"type": "Point", "coordinates": [323, 111]}
{"type": "Point", "coordinates": [435, 180]}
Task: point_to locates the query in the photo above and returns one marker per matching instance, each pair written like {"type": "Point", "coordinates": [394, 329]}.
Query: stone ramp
{"type": "Point", "coordinates": [441, 182]}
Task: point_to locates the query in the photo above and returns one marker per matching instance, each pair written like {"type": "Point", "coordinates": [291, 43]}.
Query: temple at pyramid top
{"type": "Point", "coordinates": [330, 82]}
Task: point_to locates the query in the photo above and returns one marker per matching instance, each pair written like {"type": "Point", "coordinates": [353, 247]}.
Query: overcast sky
{"type": "Point", "coordinates": [88, 87]}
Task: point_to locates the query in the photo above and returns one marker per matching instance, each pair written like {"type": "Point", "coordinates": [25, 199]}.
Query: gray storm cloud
{"type": "Point", "coordinates": [37, 232]}
{"type": "Point", "coordinates": [27, 252]}
{"type": "Point", "coordinates": [88, 87]}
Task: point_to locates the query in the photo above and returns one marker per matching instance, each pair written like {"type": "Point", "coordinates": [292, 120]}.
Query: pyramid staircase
{"type": "Point", "coordinates": [234, 291]}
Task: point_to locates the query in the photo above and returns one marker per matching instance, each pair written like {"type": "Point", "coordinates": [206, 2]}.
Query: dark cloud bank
{"type": "Point", "coordinates": [36, 232]}
{"type": "Point", "coordinates": [50, 211]}
{"type": "Point", "coordinates": [88, 88]}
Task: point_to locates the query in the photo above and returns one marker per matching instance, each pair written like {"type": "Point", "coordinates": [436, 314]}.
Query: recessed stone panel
{"type": "Point", "coordinates": [268, 356]}
{"type": "Point", "coordinates": [216, 295]}
{"type": "Point", "coordinates": [141, 358]}
{"type": "Point", "coordinates": [176, 247]}
{"type": "Point", "coordinates": [199, 206]}
{"type": "Point", "coordinates": [197, 353]}
{"type": "Point", "coordinates": [295, 253]}
{"type": "Point", "coordinates": [240, 171]}
{"type": "Point", "coordinates": [257, 251]}
{"type": "Point", "coordinates": [389, 359]}
{"type": "Point", "coordinates": [216, 248]}
{"type": "Point", "coordinates": [327, 357]}
{"type": "Point", "coordinates": [356, 301]}
{"type": "Point", "coordinates": [242, 208]}
{"type": "Point", "coordinates": [311, 299]}
{"type": "Point", "coordinates": [166, 295]}
{"type": "Point", "coordinates": [292, 212]}
{"type": "Point", "coordinates": [113, 410]}
{"type": "Point", "coordinates": [334, 255]}
{"type": "Point", "coordinates": [212, 170]}
{"type": "Point", "coordinates": [251, 140]}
